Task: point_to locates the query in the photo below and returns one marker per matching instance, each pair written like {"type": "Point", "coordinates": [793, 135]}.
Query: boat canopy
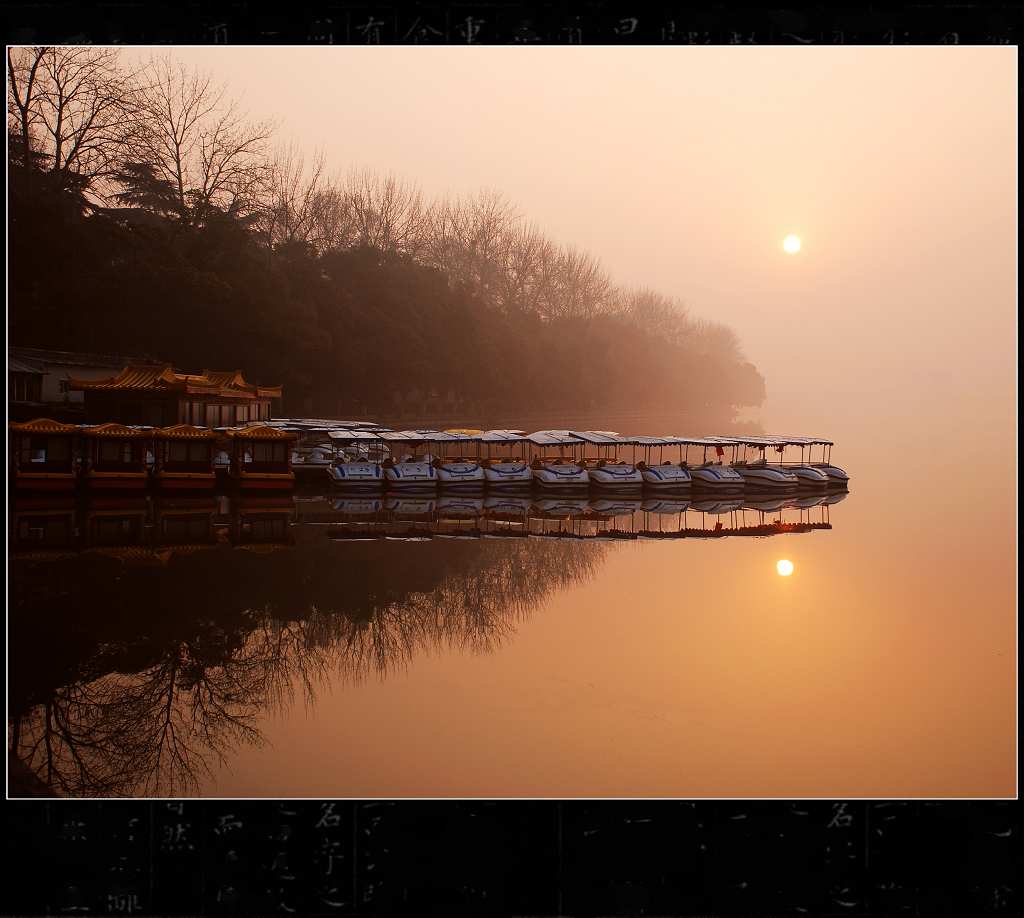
{"type": "Point", "coordinates": [802, 441]}
{"type": "Point", "coordinates": [759, 442]}
{"type": "Point", "coordinates": [666, 441]}
{"type": "Point", "coordinates": [553, 438]}
{"type": "Point", "coordinates": [352, 435]}
{"type": "Point", "coordinates": [503, 436]}
{"type": "Point", "coordinates": [602, 437]}
{"type": "Point", "coordinates": [423, 436]}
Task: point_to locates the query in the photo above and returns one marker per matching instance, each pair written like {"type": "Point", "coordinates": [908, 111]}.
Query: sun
{"type": "Point", "coordinates": [784, 567]}
{"type": "Point", "coordinates": [791, 244]}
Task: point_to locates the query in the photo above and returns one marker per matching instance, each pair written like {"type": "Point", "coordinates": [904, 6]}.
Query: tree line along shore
{"type": "Point", "coordinates": [148, 214]}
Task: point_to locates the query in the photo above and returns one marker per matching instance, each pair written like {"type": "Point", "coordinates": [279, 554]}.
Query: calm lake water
{"type": "Point", "coordinates": [252, 649]}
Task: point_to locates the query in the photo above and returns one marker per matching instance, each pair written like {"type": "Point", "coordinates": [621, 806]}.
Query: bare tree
{"type": "Point", "coordinates": [528, 268]}
{"type": "Point", "coordinates": [333, 223]}
{"type": "Point", "coordinates": [72, 109]}
{"type": "Point", "coordinates": [386, 213]}
{"type": "Point", "coordinates": [581, 289]}
{"type": "Point", "coordinates": [199, 141]}
{"type": "Point", "coordinates": [656, 314]}
{"type": "Point", "coordinates": [292, 198]}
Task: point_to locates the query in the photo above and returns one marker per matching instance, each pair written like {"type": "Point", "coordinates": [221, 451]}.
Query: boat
{"type": "Point", "coordinates": [607, 471]}
{"type": "Point", "coordinates": [809, 477]}
{"type": "Point", "coordinates": [759, 475]}
{"type": "Point", "coordinates": [115, 457]}
{"type": "Point", "coordinates": [837, 477]}
{"type": "Point", "coordinates": [408, 472]}
{"type": "Point", "coordinates": [183, 457]}
{"type": "Point", "coordinates": [664, 475]}
{"type": "Point", "coordinates": [356, 461]}
{"type": "Point", "coordinates": [458, 462]}
{"type": "Point", "coordinates": [553, 471]}
{"type": "Point", "coordinates": [261, 457]}
{"type": "Point", "coordinates": [42, 455]}
{"type": "Point", "coordinates": [510, 472]}
{"type": "Point", "coordinates": [313, 452]}
{"type": "Point", "coordinates": [711, 476]}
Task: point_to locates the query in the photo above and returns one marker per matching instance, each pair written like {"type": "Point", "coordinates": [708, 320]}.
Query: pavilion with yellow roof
{"type": "Point", "coordinates": [161, 397]}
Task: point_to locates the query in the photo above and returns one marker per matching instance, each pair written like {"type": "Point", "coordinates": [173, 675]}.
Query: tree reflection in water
{"type": "Point", "coordinates": [137, 681]}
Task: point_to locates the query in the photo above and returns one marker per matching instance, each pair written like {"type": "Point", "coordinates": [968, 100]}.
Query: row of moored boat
{"type": "Point", "coordinates": [566, 461]}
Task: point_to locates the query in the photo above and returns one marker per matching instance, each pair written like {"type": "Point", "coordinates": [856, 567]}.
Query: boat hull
{"type": "Point", "coordinates": [356, 476]}
{"type": "Point", "coordinates": [717, 479]}
{"type": "Point", "coordinates": [461, 476]}
{"type": "Point", "coordinates": [810, 478]}
{"type": "Point", "coordinates": [837, 478]}
{"type": "Point", "coordinates": [560, 478]}
{"type": "Point", "coordinates": [766, 479]}
{"type": "Point", "coordinates": [410, 476]}
{"type": "Point", "coordinates": [508, 475]}
{"type": "Point", "coordinates": [618, 478]}
{"type": "Point", "coordinates": [666, 478]}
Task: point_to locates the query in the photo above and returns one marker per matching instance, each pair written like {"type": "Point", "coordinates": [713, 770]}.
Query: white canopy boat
{"type": "Point", "coordinates": [759, 475]}
{"type": "Point", "coordinates": [357, 463]}
{"type": "Point", "coordinates": [557, 472]}
{"type": "Point", "coordinates": [808, 476]}
{"type": "Point", "coordinates": [837, 477]}
{"type": "Point", "coordinates": [506, 472]}
{"type": "Point", "coordinates": [663, 474]}
{"type": "Point", "coordinates": [606, 470]}
{"type": "Point", "coordinates": [715, 477]}
{"type": "Point", "coordinates": [409, 471]}
{"type": "Point", "coordinates": [458, 461]}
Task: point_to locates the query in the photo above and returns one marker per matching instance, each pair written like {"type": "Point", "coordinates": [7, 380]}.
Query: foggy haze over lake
{"type": "Point", "coordinates": [682, 169]}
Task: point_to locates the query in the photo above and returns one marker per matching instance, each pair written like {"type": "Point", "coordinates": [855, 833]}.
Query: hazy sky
{"type": "Point", "coordinates": [683, 168]}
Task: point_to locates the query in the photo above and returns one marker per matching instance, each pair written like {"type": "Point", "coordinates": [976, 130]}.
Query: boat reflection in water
{"type": "Point", "coordinates": [582, 517]}
{"type": "Point", "coordinates": [152, 637]}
